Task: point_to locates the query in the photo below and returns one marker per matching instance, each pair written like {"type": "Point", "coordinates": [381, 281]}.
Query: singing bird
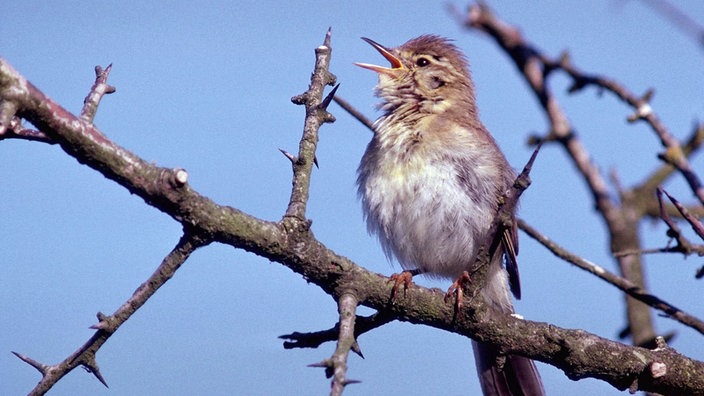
{"type": "Point", "coordinates": [431, 180]}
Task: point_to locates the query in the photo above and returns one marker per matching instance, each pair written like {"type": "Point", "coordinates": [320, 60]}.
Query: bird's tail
{"type": "Point", "coordinates": [518, 376]}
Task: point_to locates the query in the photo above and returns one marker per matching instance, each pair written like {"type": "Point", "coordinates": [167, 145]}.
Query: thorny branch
{"type": "Point", "coordinates": [693, 221]}
{"type": "Point", "coordinates": [659, 176]}
{"type": "Point", "coordinates": [165, 189]}
{"type": "Point", "coordinates": [621, 217]}
{"type": "Point", "coordinates": [336, 365]}
{"type": "Point", "coordinates": [674, 153]}
{"type": "Point", "coordinates": [107, 325]}
{"type": "Point", "coordinates": [623, 284]}
{"type": "Point", "coordinates": [363, 324]}
{"type": "Point", "coordinates": [316, 115]}
{"type": "Point", "coordinates": [291, 243]}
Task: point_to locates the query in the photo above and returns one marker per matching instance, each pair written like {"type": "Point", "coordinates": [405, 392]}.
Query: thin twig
{"type": "Point", "coordinates": [694, 222]}
{"type": "Point", "coordinates": [354, 112]}
{"type": "Point", "coordinates": [674, 153]}
{"type": "Point", "coordinates": [347, 305]}
{"type": "Point", "coordinates": [107, 325]}
{"type": "Point", "coordinates": [15, 130]}
{"type": "Point", "coordinates": [100, 88]}
{"type": "Point", "coordinates": [363, 324]}
{"type": "Point", "coordinates": [316, 116]}
{"type": "Point", "coordinates": [623, 284]}
{"type": "Point", "coordinates": [679, 19]}
{"type": "Point", "coordinates": [673, 230]}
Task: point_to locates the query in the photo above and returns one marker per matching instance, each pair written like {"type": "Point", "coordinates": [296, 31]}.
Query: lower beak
{"type": "Point", "coordinates": [396, 64]}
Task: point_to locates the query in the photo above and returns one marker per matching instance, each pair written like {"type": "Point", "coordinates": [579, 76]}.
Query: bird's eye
{"type": "Point", "coordinates": [422, 62]}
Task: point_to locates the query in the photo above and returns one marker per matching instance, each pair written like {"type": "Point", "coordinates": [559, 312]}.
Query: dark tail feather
{"type": "Point", "coordinates": [518, 377]}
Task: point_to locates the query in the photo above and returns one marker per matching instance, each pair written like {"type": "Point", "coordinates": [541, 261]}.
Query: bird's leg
{"type": "Point", "coordinates": [457, 289]}
{"type": "Point", "coordinates": [404, 278]}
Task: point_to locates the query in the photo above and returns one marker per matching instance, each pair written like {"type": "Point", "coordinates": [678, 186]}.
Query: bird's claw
{"type": "Point", "coordinates": [457, 289]}
{"type": "Point", "coordinates": [404, 278]}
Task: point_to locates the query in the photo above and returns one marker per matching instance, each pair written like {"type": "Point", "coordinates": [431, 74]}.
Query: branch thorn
{"type": "Point", "coordinates": [288, 155]}
{"type": "Point", "coordinates": [326, 102]}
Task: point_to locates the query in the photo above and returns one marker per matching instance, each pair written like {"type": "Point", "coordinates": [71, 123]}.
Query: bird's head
{"type": "Point", "coordinates": [427, 72]}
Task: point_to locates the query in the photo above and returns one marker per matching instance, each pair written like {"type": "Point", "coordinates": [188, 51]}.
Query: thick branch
{"type": "Point", "coordinates": [291, 243]}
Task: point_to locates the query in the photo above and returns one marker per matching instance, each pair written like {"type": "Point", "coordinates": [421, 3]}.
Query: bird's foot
{"type": "Point", "coordinates": [457, 289]}
{"type": "Point", "coordinates": [404, 278]}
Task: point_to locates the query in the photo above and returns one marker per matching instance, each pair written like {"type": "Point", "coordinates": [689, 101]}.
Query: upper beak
{"type": "Point", "coordinates": [396, 64]}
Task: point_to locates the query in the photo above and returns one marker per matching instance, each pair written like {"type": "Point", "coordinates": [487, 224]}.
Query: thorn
{"type": "Point", "coordinates": [529, 165]}
{"type": "Point", "coordinates": [91, 366]}
{"type": "Point", "coordinates": [326, 102]}
{"type": "Point", "coordinates": [329, 371]}
{"type": "Point", "coordinates": [356, 349]}
{"type": "Point", "coordinates": [328, 35]}
{"type": "Point", "coordinates": [696, 225]}
{"type": "Point", "coordinates": [93, 369]}
{"type": "Point", "coordinates": [349, 382]}
{"type": "Point", "coordinates": [42, 368]}
{"type": "Point", "coordinates": [288, 155]}
{"type": "Point", "coordinates": [700, 273]}
{"type": "Point", "coordinates": [324, 363]}
{"type": "Point", "coordinates": [648, 95]}
{"type": "Point", "coordinates": [326, 42]}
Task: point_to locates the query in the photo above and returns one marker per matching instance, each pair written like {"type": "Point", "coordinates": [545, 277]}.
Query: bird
{"type": "Point", "coordinates": [431, 181]}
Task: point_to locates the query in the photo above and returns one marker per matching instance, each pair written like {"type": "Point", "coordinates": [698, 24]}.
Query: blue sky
{"type": "Point", "coordinates": [207, 88]}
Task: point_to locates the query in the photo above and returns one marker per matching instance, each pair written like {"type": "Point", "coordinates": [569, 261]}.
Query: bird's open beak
{"type": "Point", "coordinates": [396, 64]}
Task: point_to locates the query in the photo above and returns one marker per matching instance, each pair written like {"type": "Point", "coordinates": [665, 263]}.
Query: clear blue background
{"type": "Point", "coordinates": [207, 87]}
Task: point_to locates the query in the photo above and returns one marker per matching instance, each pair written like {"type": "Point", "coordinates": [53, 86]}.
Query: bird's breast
{"type": "Point", "coordinates": [414, 200]}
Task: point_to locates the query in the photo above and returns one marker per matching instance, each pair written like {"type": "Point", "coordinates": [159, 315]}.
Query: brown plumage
{"type": "Point", "coordinates": [430, 182]}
